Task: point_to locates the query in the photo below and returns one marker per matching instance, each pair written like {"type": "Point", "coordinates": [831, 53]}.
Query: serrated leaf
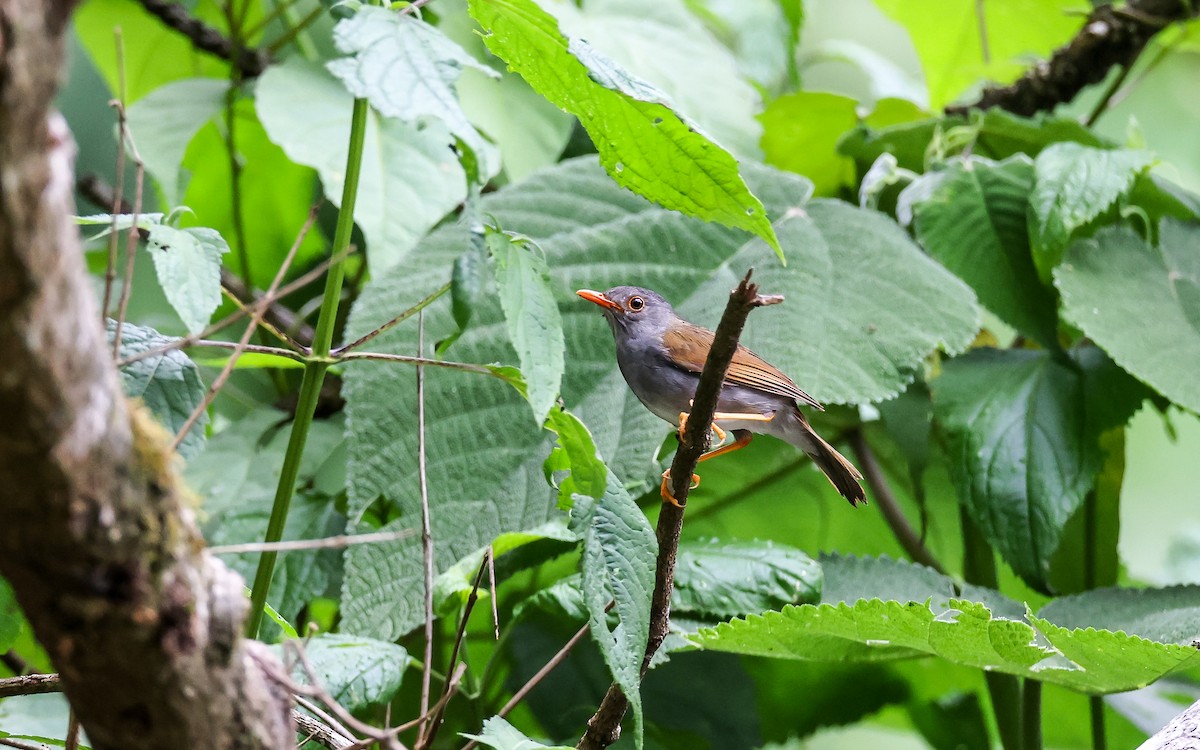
{"type": "Point", "coordinates": [531, 315]}
{"type": "Point", "coordinates": [1074, 185]}
{"type": "Point", "coordinates": [356, 672]}
{"type": "Point", "coordinates": [168, 383]}
{"type": "Point", "coordinates": [236, 478]}
{"type": "Point", "coordinates": [617, 566]}
{"type": "Point", "coordinates": [665, 45]}
{"type": "Point", "coordinates": [956, 629]}
{"type": "Point", "coordinates": [500, 735]}
{"type": "Point", "coordinates": [165, 122]}
{"type": "Point", "coordinates": [589, 475]}
{"type": "Point", "coordinates": [304, 109]}
{"type": "Point", "coordinates": [466, 285]}
{"type": "Point", "coordinates": [188, 264]}
{"type": "Point", "coordinates": [1141, 303]}
{"type": "Point", "coordinates": [1011, 32]}
{"type": "Point", "coordinates": [1022, 432]}
{"type": "Point", "coordinates": [643, 144]}
{"type": "Point", "coordinates": [730, 579]}
{"type": "Point", "coordinates": [974, 223]}
{"type": "Point", "coordinates": [1166, 615]}
{"type": "Point", "coordinates": [858, 271]}
{"type": "Point", "coordinates": [408, 69]}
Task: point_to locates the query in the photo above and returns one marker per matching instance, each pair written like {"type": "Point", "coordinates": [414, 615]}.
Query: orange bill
{"type": "Point", "coordinates": [598, 298]}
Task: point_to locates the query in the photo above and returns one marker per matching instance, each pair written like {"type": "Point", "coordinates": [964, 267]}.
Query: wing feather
{"type": "Point", "coordinates": [688, 345]}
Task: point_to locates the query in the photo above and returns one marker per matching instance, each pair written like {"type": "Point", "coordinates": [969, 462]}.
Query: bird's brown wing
{"type": "Point", "coordinates": [688, 345]}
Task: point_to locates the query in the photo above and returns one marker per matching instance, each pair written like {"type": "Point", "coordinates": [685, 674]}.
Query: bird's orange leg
{"type": "Point", "coordinates": [741, 440]}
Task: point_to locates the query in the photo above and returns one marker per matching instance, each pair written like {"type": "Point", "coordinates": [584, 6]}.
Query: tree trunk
{"type": "Point", "coordinates": [97, 535]}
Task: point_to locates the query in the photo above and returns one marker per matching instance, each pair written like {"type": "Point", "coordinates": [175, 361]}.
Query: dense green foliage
{"type": "Point", "coordinates": [983, 301]}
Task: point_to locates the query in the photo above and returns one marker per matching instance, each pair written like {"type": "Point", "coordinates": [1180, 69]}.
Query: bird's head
{"type": "Point", "coordinates": [632, 310]}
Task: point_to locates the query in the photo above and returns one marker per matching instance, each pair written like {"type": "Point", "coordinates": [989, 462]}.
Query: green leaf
{"type": "Point", "coordinates": [1022, 431]}
{"type": "Point", "coordinates": [236, 477]}
{"type": "Point", "coordinates": [154, 54]}
{"type": "Point", "coordinates": [589, 475]}
{"type": "Point", "coordinates": [1168, 615]}
{"type": "Point", "coordinates": [410, 176]}
{"type": "Point", "coordinates": [500, 735]}
{"type": "Point", "coordinates": [1074, 185]}
{"type": "Point", "coordinates": [12, 622]}
{"type": "Point", "coordinates": [730, 579]}
{"type": "Point", "coordinates": [928, 621]}
{"type": "Point", "coordinates": [762, 34]}
{"type": "Point", "coordinates": [858, 272]}
{"type": "Point", "coordinates": [974, 223]}
{"type": "Point", "coordinates": [408, 69]}
{"type": "Point", "coordinates": [466, 286]}
{"type": "Point", "coordinates": [252, 361]}
{"type": "Point", "coordinates": [188, 264]}
{"type": "Point", "coordinates": [667, 47]}
{"type": "Point", "coordinates": [643, 144]}
{"type": "Point", "coordinates": [801, 133]}
{"type": "Point", "coordinates": [619, 549]}
{"type": "Point", "coordinates": [165, 122]}
{"type": "Point", "coordinates": [531, 316]}
{"type": "Point", "coordinates": [168, 383]}
{"type": "Point", "coordinates": [1141, 303]}
{"type": "Point", "coordinates": [1013, 31]}
{"type": "Point", "coordinates": [357, 672]}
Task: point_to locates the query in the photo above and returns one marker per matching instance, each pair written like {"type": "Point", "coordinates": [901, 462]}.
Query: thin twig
{"type": "Point", "coordinates": [414, 6]}
{"type": "Point", "coordinates": [332, 542]}
{"type": "Point", "coordinates": [426, 528]}
{"type": "Point", "coordinates": [492, 591]}
{"type": "Point", "coordinates": [981, 23]}
{"type": "Point", "coordinates": [537, 678]}
{"type": "Point", "coordinates": [889, 506]}
{"type": "Point", "coordinates": [604, 728]}
{"type": "Point", "coordinates": [276, 351]}
{"type": "Point", "coordinates": [435, 723]}
{"type": "Point", "coordinates": [263, 322]}
{"type": "Point", "coordinates": [22, 744]}
{"type": "Point", "coordinates": [266, 299]}
{"type": "Point", "coordinates": [110, 270]}
{"type": "Point", "coordinates": [381, 357]}
{"type": "Point", "coordinates": [1106, 97]}
{"type": "Point", "coordinates": [279, 314]}
{"type": "Point", "coordinates": [454, 682]}
{"type": "Point", "coordinates": [321, 732]}
{"type": "Point", "coordinates": [312, 707]}
{"type": "Point", "coordinates": [132, 235]}
{"type": "Point", "coordinates": [316, 690]}
{"type": "Point", "coordinates": [72, 740]}
{"type": "Point", "coordinates": [342, 350]}
{"type": "Point", "coordinates": [291, 34]}
{"type": "Point", "coordinates": [217, 383]}
{"type": "Point", "coordinates": [30, 684]}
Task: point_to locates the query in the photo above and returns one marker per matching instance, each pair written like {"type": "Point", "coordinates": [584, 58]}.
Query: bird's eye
{"type": "Point", "coordinates": [636, 303]}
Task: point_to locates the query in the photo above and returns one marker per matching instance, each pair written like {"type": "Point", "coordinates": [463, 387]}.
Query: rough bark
{"type": "Point", "coordinates": [1183, 733]}
{"type": "Point", "coordinates": [97, 536]}
{"type": "Point", "coordinates": [1111, 36]}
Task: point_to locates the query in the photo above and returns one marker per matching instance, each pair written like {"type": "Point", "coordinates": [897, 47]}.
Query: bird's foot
{"type": "Point", "coordinates": [683, 420]}
{"type": "Point", "coordinates": [665, 489]}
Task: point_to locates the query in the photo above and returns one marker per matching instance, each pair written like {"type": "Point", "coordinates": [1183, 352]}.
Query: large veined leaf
{"type": "Point", "coordinates": [1022, 431]}
{"type": "Point", "coordinates": [728, 579]}
{"type": "Point", "coordinates": [165, 122]}
{"type": "Point", "coordinates": [1141, 303]}
{"type": "Point", "coordinates": [236, 477]}
{"type": "Point", "coordinates": [865, 306]}
{"type": "Point", "coordinates": [644, 144]}
{"type": "Point", "coordinates": [958, 46]}
{"type": "Point", "coordinates": [665, 44]}
{"type": "Point", "coordinates": [188, 264]}
{"type": "Point", "coordinates": [618, 567]}
{"type": "Point", "coordinates": [410, 176]}
{"type": "Point", "coordinates": [168, 383]}
{"type": "Point", "coordinates": [356, 672]}
{"type": "Point", "coordinates": [1074, 185]}
{"type": "Point", "coordinates": [408, 69]}
{"type": "Point", "coordinates": [931, 618]}
{"type": "Point", "coordinates": [974, 223]}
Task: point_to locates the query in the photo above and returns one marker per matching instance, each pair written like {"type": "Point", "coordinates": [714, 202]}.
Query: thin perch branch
{"type": "Point", "coordinates": [604, 728]}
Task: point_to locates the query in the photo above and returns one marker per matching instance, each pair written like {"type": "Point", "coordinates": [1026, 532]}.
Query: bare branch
{"type": "Point", "coordinates": [332, 542]}
{"type": "Point", "coordinates": [1111, 36]}
{"type": "Point", "coordinates": [426, 527]}
{"type": "Point", "coordinates": [249, 62]}
{"type": "Point", "coordinates": [604, 728]}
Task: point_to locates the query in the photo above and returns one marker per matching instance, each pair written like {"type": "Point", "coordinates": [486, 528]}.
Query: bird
{"type": "Point", "coordinates": [661, 356]}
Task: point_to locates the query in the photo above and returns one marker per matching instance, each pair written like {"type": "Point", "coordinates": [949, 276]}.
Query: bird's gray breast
{"type": "Point", "coordinates": [662, 388]}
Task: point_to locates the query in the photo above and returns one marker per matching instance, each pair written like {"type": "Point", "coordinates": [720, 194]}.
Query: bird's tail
{"type": "Point", "coordinates": [840, 472]}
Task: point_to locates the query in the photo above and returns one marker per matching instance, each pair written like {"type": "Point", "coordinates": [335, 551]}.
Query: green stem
{"type": "Point", "coordinates": [979, 568]}
{"type": "Point", "coordinates": [314, 370]}
{"type": "Point", "coordinates": [1099, 738]}
{"type": "Point", "coordinates": [1031, 707]}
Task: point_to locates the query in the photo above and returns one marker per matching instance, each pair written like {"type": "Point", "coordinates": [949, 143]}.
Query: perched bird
{"type": "Point", "coordinates": [661, 356]}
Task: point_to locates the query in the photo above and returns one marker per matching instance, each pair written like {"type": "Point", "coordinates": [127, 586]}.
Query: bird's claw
{"type": "Point", "coordinates": [665, 489]}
